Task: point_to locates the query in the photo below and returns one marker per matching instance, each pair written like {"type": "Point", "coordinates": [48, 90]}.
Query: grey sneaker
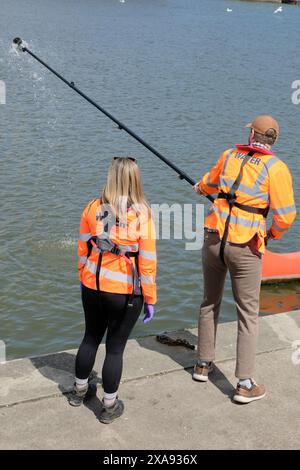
{"type": "Point", "coordinates": [201, 371]}
{"type": "Point", "coordinates": [77, 397]}
{"type": "Point", "coordinates": [109, 414]}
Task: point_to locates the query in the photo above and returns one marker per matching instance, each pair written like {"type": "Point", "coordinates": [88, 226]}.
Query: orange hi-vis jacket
{"type": "Point", "coordinates": [114, 272]}
{"type": "Point", "coordinates": [266, 181]}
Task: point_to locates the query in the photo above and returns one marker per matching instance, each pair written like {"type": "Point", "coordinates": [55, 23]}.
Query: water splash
{"type": "Point", "coordinates": [36, 77]}
{"type": "Point", "coordinates": [17, 48]}
{"type": "Point", "coordinates": [14, 50]}
{"type": "Point", "coordinates": [68, 242]}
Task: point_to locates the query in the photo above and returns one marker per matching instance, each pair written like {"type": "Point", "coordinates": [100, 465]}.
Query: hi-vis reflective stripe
{"type": "Point", "coordinates": [284, 210]}
{"type": "Point", "coordinates": [147, 279]}
{"type": "Point", "coordinates": [261, 177]}
{"type": "Point", "coordinates": [91, 267]}
{"type": "Point", "coordinates": [84, 237]}
{"type": "Point", "coordinates": [208, 182]}
{"type": "Point", "coordinates": [222, 181]}
{"type": "Point", "coordinates": [108, 274]}
{"type": "Point", "coordinates": [227, 159]}
{"type": "Point", "coordinates": [280, 229]}
{"type": "Point", "coordinates": [244, 222]}
{"type": "Point", "coordinates": [245, 189]}
{"type": "Point", "coordinates": [271, 162]}
{"type": "Point", "coordinates": [115, 276]}
{"type": "Point", "coordinates": [82, 259]}
{"type": "Point", "coordinates": [147, 254]}
{"type": "Point", "coordinates": [254, 191]}
{"type": "Point", "coordinates": [239, 220]}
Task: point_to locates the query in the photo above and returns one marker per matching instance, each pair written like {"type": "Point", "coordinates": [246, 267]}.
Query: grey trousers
{"type": "Point", "coordinates": [244, 264]}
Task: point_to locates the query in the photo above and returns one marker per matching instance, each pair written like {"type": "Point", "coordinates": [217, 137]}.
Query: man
{"type": "Point", "coordinates": [248, 180]}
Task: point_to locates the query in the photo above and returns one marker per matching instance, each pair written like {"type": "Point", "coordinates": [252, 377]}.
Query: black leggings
{"type": "Point", "coordinates": [106, 311]}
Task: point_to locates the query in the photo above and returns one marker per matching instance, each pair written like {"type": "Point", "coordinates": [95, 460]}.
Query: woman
{"type": "Point", "coordinates": [117, 269]}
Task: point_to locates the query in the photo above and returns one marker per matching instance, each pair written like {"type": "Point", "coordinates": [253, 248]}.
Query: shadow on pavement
{"type": "Point", "coordinates": [59, 368]}
{"type": "Point", "coordinates": [221, 382]}
{"type": "Point", "coordinates": [186, 357]}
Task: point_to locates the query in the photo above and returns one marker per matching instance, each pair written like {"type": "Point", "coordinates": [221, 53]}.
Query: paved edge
{"type": "Point", "coordinates": [37, 378]}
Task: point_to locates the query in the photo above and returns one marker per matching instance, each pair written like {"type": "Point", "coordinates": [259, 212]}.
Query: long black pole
{"type": "Point", "coordinates": [121, 126]}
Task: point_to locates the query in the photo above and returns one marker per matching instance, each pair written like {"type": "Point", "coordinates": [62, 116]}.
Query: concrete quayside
{"type": "Point", "coordinates": [164, 407]}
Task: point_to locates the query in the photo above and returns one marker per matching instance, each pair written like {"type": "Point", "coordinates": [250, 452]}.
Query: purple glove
{"type": "Point", "coordinates": [149, 313]}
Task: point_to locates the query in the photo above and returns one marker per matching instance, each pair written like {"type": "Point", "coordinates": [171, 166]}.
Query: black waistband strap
{"type": "Point", "coordinates": [253, 210]}
{"type": "Point", "coordinates": [131, 254]}
{"type": "Point", "coordinates": [114, 249]}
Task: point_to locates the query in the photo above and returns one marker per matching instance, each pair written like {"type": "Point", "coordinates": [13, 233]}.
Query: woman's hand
{"type": "Point", "coordinates": [149, 313]}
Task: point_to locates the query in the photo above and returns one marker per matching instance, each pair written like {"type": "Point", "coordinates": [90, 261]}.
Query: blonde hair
{"type": "Point", "coordinates": [124, 185]}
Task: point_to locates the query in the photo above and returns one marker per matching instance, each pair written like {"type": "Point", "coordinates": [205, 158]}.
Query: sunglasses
{"type": "Point", "coordinates": [127, 158]}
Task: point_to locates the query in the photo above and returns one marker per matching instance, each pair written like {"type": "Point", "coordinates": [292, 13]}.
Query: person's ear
{"type": "Point", "coordinates": [251, 136]}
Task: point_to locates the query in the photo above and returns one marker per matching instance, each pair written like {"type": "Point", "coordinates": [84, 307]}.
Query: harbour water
{"type": "Point", "coordinates": [186, 75]}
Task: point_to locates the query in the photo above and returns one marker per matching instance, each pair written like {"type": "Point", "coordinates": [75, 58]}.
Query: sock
{"type": "Point", "coordinates": [109, 398]}
{"type": "Point", "coordinates": [246, 383]}
{"type": "Point", "coordinates": [203, 363]}
{"type": "Point", "coordinates": [81, 383]}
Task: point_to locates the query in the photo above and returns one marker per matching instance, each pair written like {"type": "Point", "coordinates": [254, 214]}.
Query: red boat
{"type": "Point", "coordinates": [280, 267]}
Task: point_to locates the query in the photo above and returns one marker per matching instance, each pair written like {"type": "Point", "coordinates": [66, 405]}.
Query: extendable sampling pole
{"type": "Point", "coordinates": [182, 175]}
